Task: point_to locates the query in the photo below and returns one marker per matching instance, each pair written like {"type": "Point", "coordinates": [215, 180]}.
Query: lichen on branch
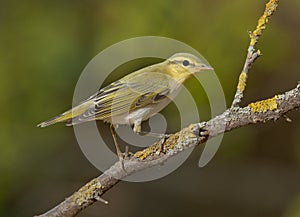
{"type": "Point", "coordinates": [264, 105]}
{"type": "Point", "coordinates": [253, 54]}
{"type": "Point", "coordinates": [271, 7]}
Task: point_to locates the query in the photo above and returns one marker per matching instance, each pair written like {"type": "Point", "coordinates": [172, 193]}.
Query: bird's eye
{"type": "Point", "coordinates": [185, 63]}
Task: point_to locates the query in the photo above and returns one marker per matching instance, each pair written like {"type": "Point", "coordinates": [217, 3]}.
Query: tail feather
{"type": "Point", "coordinates": [77, 120]}
{"type": "Point", "coordinates": [60, 118]}
{"type": "Point", "coordinates": [73, 121]}
{"type": "Point", "coordinates": [68, 115]}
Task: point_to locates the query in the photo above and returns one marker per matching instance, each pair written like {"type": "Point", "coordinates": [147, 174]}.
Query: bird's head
{"type": "Point", "coordinates": [182, 65]}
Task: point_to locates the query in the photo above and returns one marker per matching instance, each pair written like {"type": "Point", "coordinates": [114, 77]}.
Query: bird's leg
{"type": "Point", "coordinates": [126, 154]}
{"type": "Point", "coordinates": [137, 128]}
{"type": "Point", "coordinates": [114, 135]}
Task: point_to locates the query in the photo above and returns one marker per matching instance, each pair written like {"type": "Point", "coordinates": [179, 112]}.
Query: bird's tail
{"type": "Point", "coordinates": [60, 118]}
{"type": "Point", "coordinates": [67, 116]}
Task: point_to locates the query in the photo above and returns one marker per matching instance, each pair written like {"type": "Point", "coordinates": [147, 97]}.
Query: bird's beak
{"type": "Point", "coordinates": [208, 68]}
{"type": "Point", "coordinates": [202, 67]}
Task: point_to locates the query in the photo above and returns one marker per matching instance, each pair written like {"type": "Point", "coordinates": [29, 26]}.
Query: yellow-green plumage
{"type": "Point", "coordinates": [135, 97]}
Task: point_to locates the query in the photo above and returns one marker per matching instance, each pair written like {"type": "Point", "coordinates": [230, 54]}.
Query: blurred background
{"type": "Point", "coordinates": [45, 45]}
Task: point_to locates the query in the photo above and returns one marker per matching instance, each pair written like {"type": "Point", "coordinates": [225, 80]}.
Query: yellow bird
{"type": "Point", "coordinates": [135, 97]}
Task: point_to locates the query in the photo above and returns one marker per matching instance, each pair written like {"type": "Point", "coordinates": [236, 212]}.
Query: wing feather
{"type": "Point", "coordinates": [126, 95]}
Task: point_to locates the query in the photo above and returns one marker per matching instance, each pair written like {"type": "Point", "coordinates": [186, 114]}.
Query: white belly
{"type": "Point", "coordinates": [140, 114]}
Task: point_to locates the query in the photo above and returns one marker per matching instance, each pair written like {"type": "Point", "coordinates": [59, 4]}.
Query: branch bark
{"type": "Point", "coordinates": [191, 136]}
{"type": "Point", "coordinates": [195, 134]}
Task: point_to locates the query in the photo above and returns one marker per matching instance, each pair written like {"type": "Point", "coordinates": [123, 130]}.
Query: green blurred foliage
{"type": "Point", "coordinates": [46, 44]}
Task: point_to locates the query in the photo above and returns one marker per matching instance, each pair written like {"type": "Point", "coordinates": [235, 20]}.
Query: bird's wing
{"type": "Point", "coordinates": [125, 95]}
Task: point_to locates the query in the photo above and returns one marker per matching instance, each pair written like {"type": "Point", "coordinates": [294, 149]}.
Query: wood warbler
{"type": "Point", "coordinates": [135, 97]}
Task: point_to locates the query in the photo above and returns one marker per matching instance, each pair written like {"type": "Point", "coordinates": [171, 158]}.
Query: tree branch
{"type": "Point", "coordinates": [195, 134]}
{"type": "Point", "coordinates": [159, 152]}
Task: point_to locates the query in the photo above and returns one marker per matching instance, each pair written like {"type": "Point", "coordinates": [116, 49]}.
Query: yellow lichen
{"type": "Point", "coordinates": [174, 141]}
{"type": "Point", "coordinates": [258, 52]}
{"type": "Point", "coordinates": [155, 149]}
{"type": "Point", "coordinates": [152, 149]}
{"type": "Point", "coordinates": [242, 81]}
{"type": "Point", "coordinates": [263, 20]}
{"type": "Point", "coordinates": [264, 105]}
{"type": "Point", "coordinates": [87, 192]}
{"type": "Point", "coordinates": [171, 141]}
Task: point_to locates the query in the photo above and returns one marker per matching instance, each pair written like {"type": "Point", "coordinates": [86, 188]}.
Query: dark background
{"type": "Point", "coordinates": [46, 44]}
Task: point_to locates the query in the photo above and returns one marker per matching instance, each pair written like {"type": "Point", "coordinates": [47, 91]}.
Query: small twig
{"type": "Point", "coordinates": [288, 119]}
{"type": "Point", "coordinates": [253, 54]}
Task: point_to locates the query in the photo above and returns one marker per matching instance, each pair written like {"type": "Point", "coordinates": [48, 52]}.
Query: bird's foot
{"type": "Point", "coordinates": [123, 156]}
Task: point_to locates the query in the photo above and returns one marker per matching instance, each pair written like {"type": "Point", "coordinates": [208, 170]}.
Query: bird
{"type": "Point", "coordinates": [135, 97]}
